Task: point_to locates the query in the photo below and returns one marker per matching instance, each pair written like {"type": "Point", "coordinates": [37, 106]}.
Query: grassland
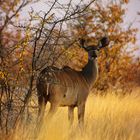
{"type": "Point", "coordinates": [107, 118]}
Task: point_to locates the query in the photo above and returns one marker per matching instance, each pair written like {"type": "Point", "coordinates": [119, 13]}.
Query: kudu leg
{"type": "Point", "coordinates": [42, 105]}
{"type": "Point", "coordinates": [41, 112]}
{"type": "Point", "coordinates": [42, 100]}
{"type": "Point", "coordinates": [52, 111]}
{"type": "Point", "coordinates": [81, 112]}
{"type": "Point", "coordinates": [71, 114]}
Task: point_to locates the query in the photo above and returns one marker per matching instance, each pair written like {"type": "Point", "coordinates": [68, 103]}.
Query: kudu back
{"type": "Point", "coordinates": [67, 87]}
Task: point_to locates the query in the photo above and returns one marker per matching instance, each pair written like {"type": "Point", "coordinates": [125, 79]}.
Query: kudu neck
{"type": "Point", "coordinates": [90, 71]}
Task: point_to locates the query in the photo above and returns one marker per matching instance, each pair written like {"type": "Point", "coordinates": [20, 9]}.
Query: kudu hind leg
{"type": "Point", "coordinates": [41, 111]}
{"type": "Point", "coordinates": [42, 101]}
{"type": "Point", "coordinates": [71, 114]}
{"type": "Point", "coordinates": [41, 104]}
{"type": "Point", "coordinates": [81, 112]}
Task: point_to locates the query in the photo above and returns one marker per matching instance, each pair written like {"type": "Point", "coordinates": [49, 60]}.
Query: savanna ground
{"type": "Point", "coordinates": [110, 117]}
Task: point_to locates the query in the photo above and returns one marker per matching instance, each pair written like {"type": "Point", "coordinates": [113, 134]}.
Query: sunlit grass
{"type": "Point", "coordinates": [106, 118]}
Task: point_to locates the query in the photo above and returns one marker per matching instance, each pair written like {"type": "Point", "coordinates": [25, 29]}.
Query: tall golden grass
{"type": "Point", "coordinates": [106, 118]}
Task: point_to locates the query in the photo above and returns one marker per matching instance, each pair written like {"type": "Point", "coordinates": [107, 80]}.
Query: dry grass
{"type": "Point", "coordinates": [107, 118]}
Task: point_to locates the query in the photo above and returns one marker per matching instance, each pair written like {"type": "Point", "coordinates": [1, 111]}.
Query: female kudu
{"type": "Point", "coordinates": [67, 87]}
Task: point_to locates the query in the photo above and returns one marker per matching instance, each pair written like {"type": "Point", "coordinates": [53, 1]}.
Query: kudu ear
{"type": "Point", "coordinates": [104, 42]}
{"type": "Point", "coordinates": [82, 42]}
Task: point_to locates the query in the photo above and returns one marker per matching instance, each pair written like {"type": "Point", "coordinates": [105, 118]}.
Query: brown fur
{"type": "Point", "coordinates": [66, 87]}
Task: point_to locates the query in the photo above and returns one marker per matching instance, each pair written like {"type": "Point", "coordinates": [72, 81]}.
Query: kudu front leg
{"type": "Point", "coordinates": [71, 114]}
{"type": "Point", "coordinates": [81, 113]}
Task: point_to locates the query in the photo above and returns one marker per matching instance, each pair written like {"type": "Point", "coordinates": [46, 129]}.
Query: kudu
{"type": "Point", "coordinates": [67, 87]}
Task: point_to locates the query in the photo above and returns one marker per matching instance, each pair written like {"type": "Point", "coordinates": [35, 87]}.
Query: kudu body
{"type": "Point", "coordinates": [67, 87]}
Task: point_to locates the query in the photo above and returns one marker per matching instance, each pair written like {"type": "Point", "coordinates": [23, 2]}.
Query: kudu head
{"type": "Point", "coordinates": [93, 50]}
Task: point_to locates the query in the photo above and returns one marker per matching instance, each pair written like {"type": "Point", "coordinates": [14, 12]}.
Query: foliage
{"type": "Point", "coordinates": [14, 72]}
{"type": "Point", "coordinates": [117, 59]}
{"type": "Point", "coordinates": [25, 50]}
{"type": "Point", "coordinates": [47, 39]}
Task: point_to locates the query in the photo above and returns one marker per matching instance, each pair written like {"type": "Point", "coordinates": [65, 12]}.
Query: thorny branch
{"type": "Point", "coordinates": [39, 31]}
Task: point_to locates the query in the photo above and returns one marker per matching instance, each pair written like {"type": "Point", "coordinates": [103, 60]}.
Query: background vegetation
{"type": "Point", "coordinates": [48, 39]}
